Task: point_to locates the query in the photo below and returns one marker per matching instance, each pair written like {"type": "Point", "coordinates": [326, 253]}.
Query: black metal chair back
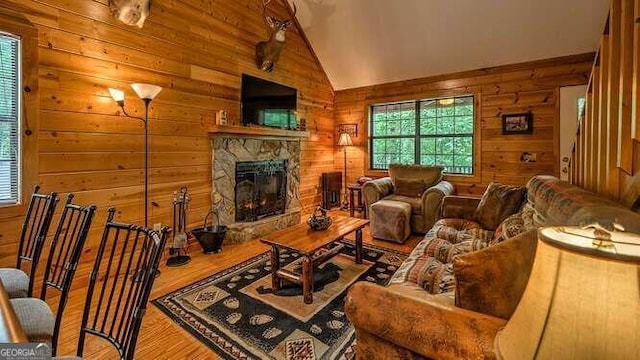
{"type": "Point", "coordinates": [120, 284]}
{"type": "Point", "coordinates": [34, 231]}
{"type": "Point", "coordinates": [64, 255]}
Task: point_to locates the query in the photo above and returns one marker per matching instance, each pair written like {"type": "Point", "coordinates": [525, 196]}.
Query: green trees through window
{"type": "Point", "coordinates": [426, 132]}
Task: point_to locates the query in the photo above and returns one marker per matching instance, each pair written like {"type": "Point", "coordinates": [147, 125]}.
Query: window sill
{"type": "Point", "coordinates": [9, 211]}
{"type": "Point", "coordinates": [454, 178]}
{"type": "Point", "coordinates": [7, 205]}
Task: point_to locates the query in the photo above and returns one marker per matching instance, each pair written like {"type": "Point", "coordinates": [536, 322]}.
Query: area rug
{"type": "Point", "coordinates": [236, 313]}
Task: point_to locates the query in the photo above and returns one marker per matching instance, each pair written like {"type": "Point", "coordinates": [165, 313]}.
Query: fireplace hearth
{"type": "Point", "coordinates": [261, 189]}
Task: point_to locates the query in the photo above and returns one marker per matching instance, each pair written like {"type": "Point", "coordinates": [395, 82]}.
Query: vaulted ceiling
{"type": "Point", "coordinates": [367, 42]}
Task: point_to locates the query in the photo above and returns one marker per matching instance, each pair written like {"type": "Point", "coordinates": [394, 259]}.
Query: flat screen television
{"type": "Point", "coordinates": [266, 103]}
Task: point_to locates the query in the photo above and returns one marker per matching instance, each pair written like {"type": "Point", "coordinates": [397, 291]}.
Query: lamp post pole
{"type": "Point", "coordinates": [344, 141]}
{"type": "Point", "coordinates": [146, 93]}
{"type": "Point", "coordinates": [146, 162]}
{"type": "Point", "coordinates": [345, 203]}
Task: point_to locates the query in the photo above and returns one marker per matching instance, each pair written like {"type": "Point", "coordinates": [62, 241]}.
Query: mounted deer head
{"type": "Point", "coordinates": [268, 52]}
{"type": "Point", "coordinates": [130, 12]}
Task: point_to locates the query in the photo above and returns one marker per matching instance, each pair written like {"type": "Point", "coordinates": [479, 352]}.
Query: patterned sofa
{"type": "Point", "coordinates": [462, 282]}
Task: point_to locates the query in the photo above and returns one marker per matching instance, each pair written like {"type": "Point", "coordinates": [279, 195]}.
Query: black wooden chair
{"type": "Point", "coordinates": [32, 237]}
{"type": "Point", "coordinates": [120, 284]}
{"type": "Point", "coordinates": [35, 315]}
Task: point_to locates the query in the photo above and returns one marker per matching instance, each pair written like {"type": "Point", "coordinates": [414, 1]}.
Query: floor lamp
{"type": "Point", "coordinates": [344, 141]}
{"type": "Point", "coordinates": [146, 93]}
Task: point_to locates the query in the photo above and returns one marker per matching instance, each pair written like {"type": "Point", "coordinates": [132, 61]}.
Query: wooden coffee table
{"type": "Point", "coordinates": [307, 243]}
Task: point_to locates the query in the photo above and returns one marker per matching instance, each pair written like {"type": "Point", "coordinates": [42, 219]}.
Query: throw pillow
{"type": "Point", "coordinates": [497, 203]}
{"type": "Point", "coordinates": [492, 280]}
{"type": "Point", "coordinates": [510, 227]}
{"type": "Point", "coordinates": [409, 187]}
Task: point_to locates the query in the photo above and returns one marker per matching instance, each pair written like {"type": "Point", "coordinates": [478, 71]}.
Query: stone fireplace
{"type": "Point", "coordinates": [261, 189]}
{"type": "Point", "coordinates": [256, 181]}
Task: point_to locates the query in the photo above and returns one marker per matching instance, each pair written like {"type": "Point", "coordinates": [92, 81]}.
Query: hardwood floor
{"type": "Point", "coordinates": [160, 337]}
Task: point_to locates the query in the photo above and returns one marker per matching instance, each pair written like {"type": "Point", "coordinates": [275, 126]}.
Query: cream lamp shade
{"type": "Point", "coordinates": [146, 91]}
{"type": "Point", "coordinates": [582, 300]}
{"type": "Point", "coordinates": [446, 101]}
{"type": "Point", "coordinates": [116, 94]}
{"type": "Point", "coordinates": [345, 140]}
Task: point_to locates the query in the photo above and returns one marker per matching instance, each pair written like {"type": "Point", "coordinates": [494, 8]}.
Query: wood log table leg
{"type": "Point", "coordinates": [275, 266]}
{"type": "Point", "coordinates": [307, 280]}
{"type": "Point", "coordinates": [359, 246]}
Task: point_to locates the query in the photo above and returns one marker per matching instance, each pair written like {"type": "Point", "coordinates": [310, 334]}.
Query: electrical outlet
{"type": "Point", "coordinates": [157, 226]}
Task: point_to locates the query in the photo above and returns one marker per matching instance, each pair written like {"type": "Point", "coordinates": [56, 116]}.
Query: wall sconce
{"type": "Point", "coordinates": [146, 92]}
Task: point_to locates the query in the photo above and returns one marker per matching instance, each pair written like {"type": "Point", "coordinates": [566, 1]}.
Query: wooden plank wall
{"type": "Point", "coordinates": [606, 153]}
{"type": "Point", "coordinates": [196, 51]}
{"type": "Point", "coordinates": [532, 86]}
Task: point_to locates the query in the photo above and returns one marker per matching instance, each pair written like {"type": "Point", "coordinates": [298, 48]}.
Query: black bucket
{"type": "Point", "coordinates": [210, 238]}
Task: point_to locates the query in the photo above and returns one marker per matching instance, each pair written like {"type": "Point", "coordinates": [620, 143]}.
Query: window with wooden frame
{"type": "Point", "coordinates": [18, 112]}
{"type": "Point", "coordinates": [10, 114]}
{"type": "Point", "coordinates": [427, 132]}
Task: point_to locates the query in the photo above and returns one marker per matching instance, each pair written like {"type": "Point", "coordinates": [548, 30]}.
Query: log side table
{"type": "Point", "coordinates": [356, 206]}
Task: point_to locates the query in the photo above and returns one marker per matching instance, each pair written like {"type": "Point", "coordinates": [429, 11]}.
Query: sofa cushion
{"type": "Point", "coordinates": [445, 252]}
{"type": "Point", "coordinates": [497, 203]}
{"type": "Point", "coordinates": [458, 230]}
{"type": "Point", "coordinates": [430, 175]}
{"type": "Point", "coordinates": [403, 272]}
{"type": "Point", "coordinates": [492, 280]}
{"type": "Point", "coordinates": [510, 227]}
{"type": "Point", "coordinates": [430, 263]}
{"type": "Point", "coordinates": [432, 275]}
{"type": "Point", "coordinates": [409, 187]}
{"type": "Point", "coordinates": [415, 202]}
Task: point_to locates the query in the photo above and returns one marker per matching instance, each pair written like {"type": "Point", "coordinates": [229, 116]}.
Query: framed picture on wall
{"type": "Point", "coordinates": [517, 124]}
{"type": "Point", "coordinates": [351, 129]}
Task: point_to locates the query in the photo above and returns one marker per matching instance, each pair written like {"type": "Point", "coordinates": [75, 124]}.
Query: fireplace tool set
{"type": "Point", "coordinates": [178, 249]}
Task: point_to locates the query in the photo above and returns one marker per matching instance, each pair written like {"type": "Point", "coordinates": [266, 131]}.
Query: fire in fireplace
{"type": "Point", "coordinates": [261, 189]}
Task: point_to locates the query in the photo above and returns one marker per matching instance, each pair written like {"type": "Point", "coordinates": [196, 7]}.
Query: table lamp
{"type": "Point", "coordinates": [582, 300]}
{"type": "Point", "coordinates": [344, 141]}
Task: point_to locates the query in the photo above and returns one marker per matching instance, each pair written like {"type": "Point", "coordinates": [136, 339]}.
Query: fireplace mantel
{"type": "Point", "coordinates": [254, 131]}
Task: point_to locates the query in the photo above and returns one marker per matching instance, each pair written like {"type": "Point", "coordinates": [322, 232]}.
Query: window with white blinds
{"type": "Point", "coordinates": [9, 119]}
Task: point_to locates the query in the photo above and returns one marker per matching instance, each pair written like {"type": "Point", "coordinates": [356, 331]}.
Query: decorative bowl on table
{"type": "Point", "coordinates": [319, 220]}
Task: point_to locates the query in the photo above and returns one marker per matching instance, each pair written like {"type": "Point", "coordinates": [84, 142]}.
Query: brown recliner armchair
{"type": "Point", "coordinates": [398, 186]}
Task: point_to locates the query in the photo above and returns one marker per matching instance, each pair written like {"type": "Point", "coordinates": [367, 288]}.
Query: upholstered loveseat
{"type": "Point", "coordinates": [462, 282]}
{"type": "Point", "coordinates": [421, 187]}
